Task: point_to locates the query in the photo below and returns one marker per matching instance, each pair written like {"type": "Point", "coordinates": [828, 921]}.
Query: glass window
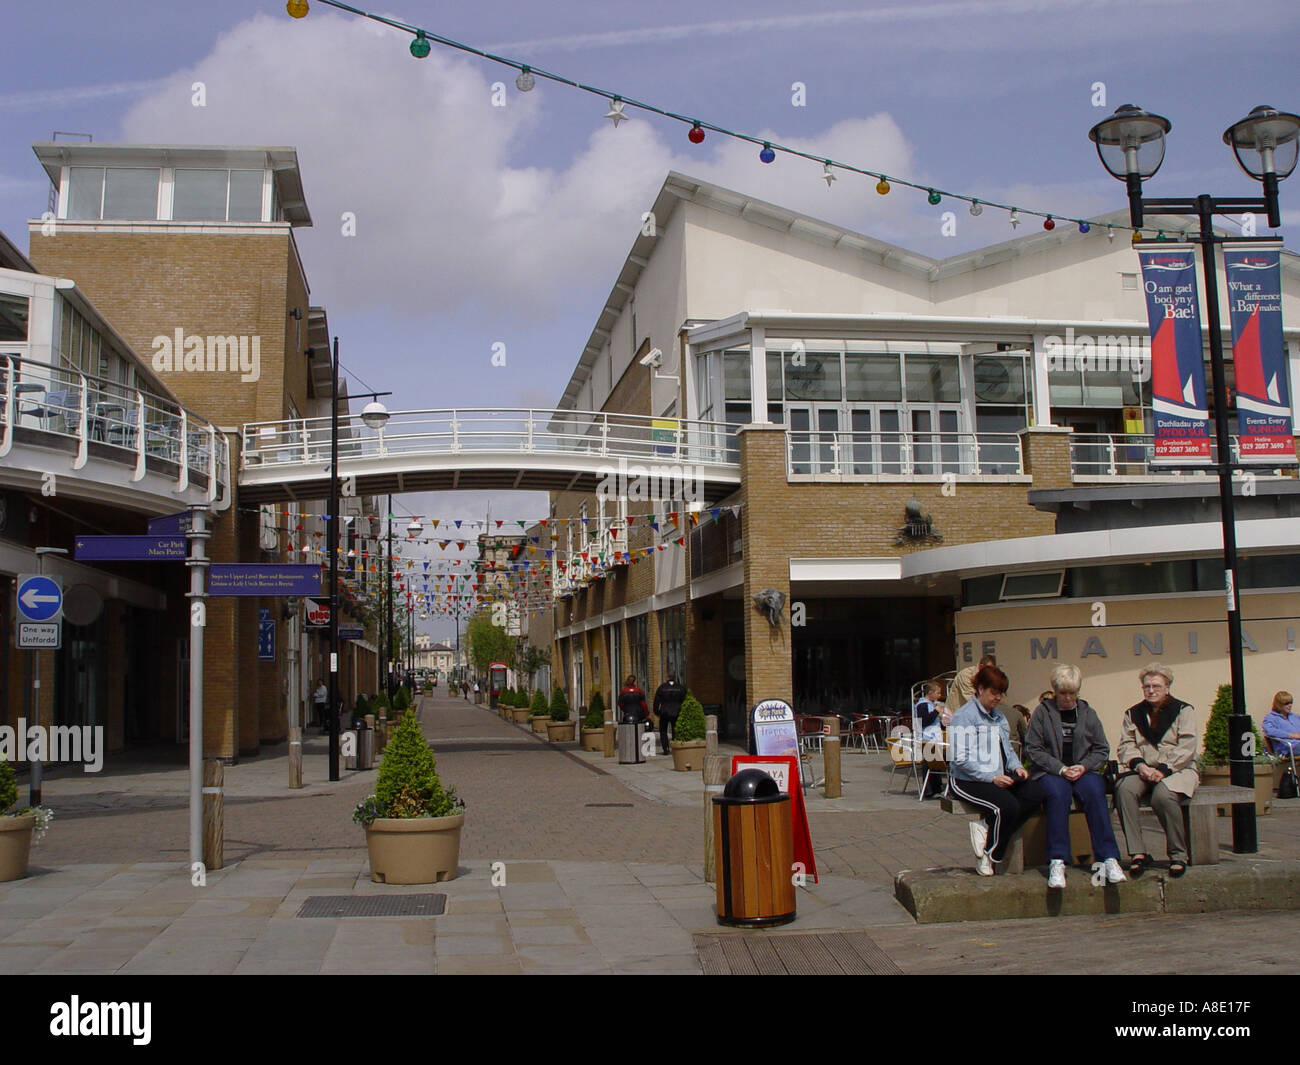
{"type": "Point", "coordinates": [1000, 379]}
{"type": "Point", "coordinates": [638, 639]}
{"type": "Point", "coordinates": [13, 317]}
{"type": "Point", "coordinates": [703, 389]}
{"type": "Point", "coordinates": [1065, 387]}
{"type": "Point", "coordinates": [131, 193]}
{"type": "Point", "coordinates": [245, 196]}
{"type": "Point", "coordinates": [932, 379]}
{"type": "Point", "coordinates": [815, 376]}
{"type": "Point", "coordinates": [735, 374]}
{"type": "Point", "coordinates": [872, 378]}
{"type": "Point", "coordinates": [774, 387]}
{"type": "Point", "coordinates": [85, 191]}
{"type": "Point", "coordinates": [200, 195]}
{"type": "Point", "coordinates": [672, 642]}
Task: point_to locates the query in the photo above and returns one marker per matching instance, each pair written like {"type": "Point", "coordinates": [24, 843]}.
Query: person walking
{"type": "Point", "coordinates": [668, 704]}
{"type": "Point", "coordinates": [320, 697]}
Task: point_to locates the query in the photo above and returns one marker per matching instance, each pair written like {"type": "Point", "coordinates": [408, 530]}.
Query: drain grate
{"type": "Point", "coordinates": [608, 805]}
{"type": "Point", "coordinates": [373, 906]}
{"type": "Point", "coordinates": [754, 954]}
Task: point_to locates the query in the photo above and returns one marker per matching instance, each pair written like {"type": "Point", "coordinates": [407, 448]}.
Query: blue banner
{"type": "Point", "coordinates": [1258, 356]}
{"type": "Point", "coordinates": [130, 548]}
{"type": "Point", "coordinates": [171, 524]}
{"type": "Point", "coordinates": [266, 641]}
{"type": "Point", "coordinates": [289, 578]}
{"type": "Point", "coordinates": [1182, 418]}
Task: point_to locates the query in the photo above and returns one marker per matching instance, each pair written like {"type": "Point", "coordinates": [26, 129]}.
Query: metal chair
{"type": "Point", "coordinates": [904, 755]}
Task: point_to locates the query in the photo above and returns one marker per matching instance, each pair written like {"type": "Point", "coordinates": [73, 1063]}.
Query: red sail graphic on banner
{"type": "Point", "coordinates": [1164, 364]}
{"type": "Point", "coordinates": [1247, 362]}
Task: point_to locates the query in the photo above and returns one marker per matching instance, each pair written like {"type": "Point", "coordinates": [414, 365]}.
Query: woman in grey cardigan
{"type": "Point", "coordinates": [1068, 748]}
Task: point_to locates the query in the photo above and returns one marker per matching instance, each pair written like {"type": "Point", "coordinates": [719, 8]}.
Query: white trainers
{"type": "Point", "coordinates": [1114, 874]}
{"type": "Point", "coordinates": [979, 837]}
{"type": "Point", "coordinates": [1056, 874]}
{"type": "Point", "coordinates": [984, 866]}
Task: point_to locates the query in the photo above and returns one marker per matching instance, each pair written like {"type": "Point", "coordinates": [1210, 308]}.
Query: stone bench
{"type": "Point", "coordinates": [1028, 847]}
{"type": "Point", "coordinates": [1199, 813]}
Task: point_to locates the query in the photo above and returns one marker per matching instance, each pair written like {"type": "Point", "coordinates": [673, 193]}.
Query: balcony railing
{"type": "Point", "coordinates": [1125, 456]}
{"type": "Point", "coordinates": [122, 424]}
{"type": "Point", "coordinates": [847, 455]}
{"type": "Point", "coordinates": [515, 430]}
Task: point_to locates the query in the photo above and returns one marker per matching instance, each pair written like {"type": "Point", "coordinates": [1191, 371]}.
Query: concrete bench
{"type": "Point", "coordinates": [1199, 813]}
{"type": "Point", "coordinates": [1028, 847]}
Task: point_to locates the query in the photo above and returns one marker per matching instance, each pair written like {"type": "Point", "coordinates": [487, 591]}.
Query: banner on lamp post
{"type": "Point", "coordinates": [1258, 356]}
{"type": "Point", "coordinates": [1182, 417]}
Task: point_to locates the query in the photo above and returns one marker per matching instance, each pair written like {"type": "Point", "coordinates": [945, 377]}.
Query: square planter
{"type": "Point", "coordinates": [688, 755]}
{"type": "Point", "coordinates": [540, 721]}
{"type": "Point", "coordinates": [560, 731]}
{"type": "Point", "coordinates": [593, 739]}
{"type": "Point", "coordinates": [414, 850]}
{"type": "Point", "coordinates": [15, 845]}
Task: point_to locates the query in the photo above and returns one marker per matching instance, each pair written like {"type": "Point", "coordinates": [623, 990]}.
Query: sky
{"type": "Point", "coordinates": [479, 225]}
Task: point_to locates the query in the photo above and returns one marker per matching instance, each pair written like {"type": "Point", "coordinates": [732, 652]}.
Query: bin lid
{"type": "Point", "coordinates": [751, 784]}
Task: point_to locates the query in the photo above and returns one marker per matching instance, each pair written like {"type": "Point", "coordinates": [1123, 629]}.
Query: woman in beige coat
{"type": "Point", "coordinates": [1157, 748]}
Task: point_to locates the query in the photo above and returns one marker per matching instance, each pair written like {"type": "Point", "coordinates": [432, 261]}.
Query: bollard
{"type": "Point", "coordinates": [831, 758]}
{"type": "Point", "coordinates": [214, 817]}
{"type": "Point", "coordinates": [381, 734]}
{"type": "Point", "coordinates": [609, 732]}
{"type": "Point", "coordinates": [710, 735]}
{"type": "Point", "coordinates": [715, 777]}
{"type": "Point", "coordinates": [295, 756]}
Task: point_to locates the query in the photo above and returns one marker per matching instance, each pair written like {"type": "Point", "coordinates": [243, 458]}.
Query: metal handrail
{"type": "Point", "coordinates": [1133, 455]}
{"type": "Point", "coordinates": [831, 453]}
{"type": "Point", "coordinates": [85, 408]}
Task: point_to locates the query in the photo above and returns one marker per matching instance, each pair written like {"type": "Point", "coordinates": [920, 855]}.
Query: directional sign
{"type": "Point", "coordinates": [40, 598]}
{"type": "Point", "coordinates": [266, 640]}
{"type": "Point", "coordinates": [130, 548]}
{"type": "Point", "coordinates": [171, 524]}
{"type": "Point", "coordinates": [45, 635]}
{"type": "Point", "coordinates": [351, 633]}
{"type": "Point", "coordinates": [288, 578]}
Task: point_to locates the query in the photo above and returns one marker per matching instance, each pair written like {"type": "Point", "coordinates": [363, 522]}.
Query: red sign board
{"type": "Point", "coordinates": [784, 769]}
{"type": "Point", "coordinates": [318, 612]}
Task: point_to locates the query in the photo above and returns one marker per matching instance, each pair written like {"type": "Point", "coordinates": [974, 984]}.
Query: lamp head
{"type": "Point", "coordinates": [1265, 142]}
{"type": "Point", "coordinates": [1131, 141]}
{"type": "Point", "coordinates": [374, 414]}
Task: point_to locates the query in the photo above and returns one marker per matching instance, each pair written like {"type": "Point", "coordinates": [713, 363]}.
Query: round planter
{"type": "Point", "coordinates": [560, 731]}
{"type": "Point", "coordinates": [522, 715]}
{"type": "Point", "coordinates": [15, 845]}
{"type": "Point", "coordinates": [593, 739]}
{"type": "Point", "coordinates": [1221, 776]}
{"type": "Point", "coordinates": [414, 850]}
{"type": "Point", "coordinates": [688, 755]}
{"type": "Point", "coordinates": [540, 721]}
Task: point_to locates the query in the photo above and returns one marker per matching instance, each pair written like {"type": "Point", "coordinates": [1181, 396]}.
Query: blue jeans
{"type": "Point", "coordinates": [1059, 795]}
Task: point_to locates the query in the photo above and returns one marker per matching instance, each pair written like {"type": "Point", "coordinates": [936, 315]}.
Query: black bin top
{"type": "Point", "coordinates": [751, 785]}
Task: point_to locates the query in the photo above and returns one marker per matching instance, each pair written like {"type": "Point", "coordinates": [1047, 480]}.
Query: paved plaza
{"type": "Point", "coordinates": [569, 863]}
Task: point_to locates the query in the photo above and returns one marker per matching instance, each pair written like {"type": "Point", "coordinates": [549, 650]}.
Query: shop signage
{"type": "Point", "coordinates": [288, 578]}
{"type": "Point", "coordinates": [784, 769]}
{"type": "Point", "coordinates": [162, 548]}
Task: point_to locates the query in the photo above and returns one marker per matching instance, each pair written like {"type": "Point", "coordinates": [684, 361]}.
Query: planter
{"type": "Point", "coordinates": [521, 715]}
{"type": "Point", "coordinates": [1220, 776]}
{"type": "Point", "coordinates": [688, 755]}
{"type": "Point", "coordinates": [414, 850]}
{"type": "Point", "coordinates": [15, 845]}
{"type": "Point", "coordinates": [593, 739]}
{"type": "Point", "coordinates": [540, 721]}
{"type": "Point", "coordinates": [560, 731]}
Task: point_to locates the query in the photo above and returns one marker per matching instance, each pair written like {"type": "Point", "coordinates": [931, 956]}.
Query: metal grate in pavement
{"type": "Point", "coordinates": [608, 805]}
{"type": "Point", "coordinates": [373, 906]}
{"type": "Point", "coordinates": [799, 954]}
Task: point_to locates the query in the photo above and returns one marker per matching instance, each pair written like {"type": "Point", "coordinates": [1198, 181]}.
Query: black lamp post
{"type": "Point", "coordinates": [1131, 146]}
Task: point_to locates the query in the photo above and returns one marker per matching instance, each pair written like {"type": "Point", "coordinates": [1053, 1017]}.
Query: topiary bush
{"type": "Point", "coordinates": [360, 709]}
{"type": "Point", "coordinates": [595, 712]}
{"type": "Point", "coordinates": [539, 705]}
{"type": "Point", "coordinates": [559, 705]}
{"type": "Point", "coordinates": [8, 787]}
{"type": "Point", "coordinates": [379, 702]}
{"type": "Point", "coordinates": [1215, 741]}
{"type": "Point", "coordinates": [408, 784]}
{"type": "Point", "coordinates": [402, 700]}
{"type": "Point", "coordinates": [690, 722]}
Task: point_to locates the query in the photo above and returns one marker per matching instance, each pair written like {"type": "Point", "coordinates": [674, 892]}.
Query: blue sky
{"type": "Point", "coordinates": [479, 224]}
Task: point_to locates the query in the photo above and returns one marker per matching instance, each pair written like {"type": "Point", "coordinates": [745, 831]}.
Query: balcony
{"type": "Point", "coordinates": [889, 456]}
{"type": "Point", "coordinates": [1107, 458]}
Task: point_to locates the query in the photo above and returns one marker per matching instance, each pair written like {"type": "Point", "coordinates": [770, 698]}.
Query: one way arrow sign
{"type": "Point", "coordinates": [40, 598]}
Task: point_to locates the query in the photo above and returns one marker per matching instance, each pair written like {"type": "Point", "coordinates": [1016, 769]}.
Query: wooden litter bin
{"type": "Point", "coordinates": [754, 852]}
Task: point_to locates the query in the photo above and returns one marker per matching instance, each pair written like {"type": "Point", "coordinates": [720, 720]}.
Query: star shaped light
{"type": "Point", "coordinates": [615, 113]}
{"type": "Point", "coordinates": [1015, 218]}
{"type": "Point", "coordinates": [828, 172]}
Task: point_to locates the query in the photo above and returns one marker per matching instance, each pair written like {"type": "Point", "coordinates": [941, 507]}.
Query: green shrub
{"type": "Point", "coordinates": [8, 787]}
{"type": "Point", "coordinates": [379, 702]}
{"type": "Point", "coordinates": [559, 705]}
{"type": "Point", "coordinates": [690, 722]}
{"type": "Point", "coordinates": [595, 712]}
{"type": "Point", "coordinates": [1215, 741]}
{"type": "Point", "coordinates": [402, 700]}
{"type": "Point", "coordinates": [540, 706]}
{"type": "Point", "coordinates": [360, 709]}
{"type": "Point", "coordinates": [408, 784]}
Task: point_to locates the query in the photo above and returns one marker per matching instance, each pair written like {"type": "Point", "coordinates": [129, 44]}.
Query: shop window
{"type": "Point", "coordinates": [14, 314]}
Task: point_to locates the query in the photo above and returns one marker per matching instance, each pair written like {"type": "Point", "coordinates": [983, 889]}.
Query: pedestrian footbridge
{"type": "Point", "coordinates": [479, 449]}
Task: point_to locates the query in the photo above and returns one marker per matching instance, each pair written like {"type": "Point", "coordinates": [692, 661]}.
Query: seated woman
{"type": "Point", "coordinates": [929, 718]}
{"type": "Point", "coordinates": [1157, 746]}
{"type": "Point", "coordinates": [1282, 727]}
{"type": "Point", "coordinates": [985, 772]}
{"type": "Point", "coordinates": [1067, 747]}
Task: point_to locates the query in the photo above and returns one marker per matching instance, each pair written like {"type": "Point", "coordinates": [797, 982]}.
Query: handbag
{"type": "Point", "coordinates": [1287, 787]}
{"type": "Point", "coordinates": [1110, 776]}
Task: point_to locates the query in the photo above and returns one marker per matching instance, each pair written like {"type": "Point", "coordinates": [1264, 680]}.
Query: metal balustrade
{"type": "Point", "coordinates": [1120, 456]}
{"type": "Point", "coordinates": [526, 431]}
{"type": "Point", "coordinates": [43, 403]}
{"type": "Point", "coordinates": [846, 455]}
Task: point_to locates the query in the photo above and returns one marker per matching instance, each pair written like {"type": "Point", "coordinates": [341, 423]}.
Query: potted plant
{"type": "Point", "coordinates": [18, 828]}
{"type": "Point", "coordinates": [559, 729]}
{"type": "Point", "coordinates": [401, 702]}
{"type": "Point", "coordinates": [541, 718]}
{"type": "Point", "coordinates": [379, 707]}
{"type": "Point", "coordinates": [412, 824]}
{"type": "Point", "coordinates": [524, 709]}
{"type": "Point", "coordinates": [1213, 763]}
{"type": "Point", "coordinates": [688, 736]}
{"type": "Point", "coordinates": [360, 709]}
{"type": "Point", "coordinates": [593, 725]}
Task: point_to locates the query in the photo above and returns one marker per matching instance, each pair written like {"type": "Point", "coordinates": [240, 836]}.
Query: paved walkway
{"type": "Point", "coordinates": [602, 868]}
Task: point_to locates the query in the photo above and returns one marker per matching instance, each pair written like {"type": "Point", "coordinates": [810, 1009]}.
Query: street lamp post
{"type": "Point", "coordinates": [1131, 146]}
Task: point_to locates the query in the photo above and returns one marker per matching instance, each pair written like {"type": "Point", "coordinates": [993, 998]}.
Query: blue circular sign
{"type": "Point", "coordinates": [39, 598]}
